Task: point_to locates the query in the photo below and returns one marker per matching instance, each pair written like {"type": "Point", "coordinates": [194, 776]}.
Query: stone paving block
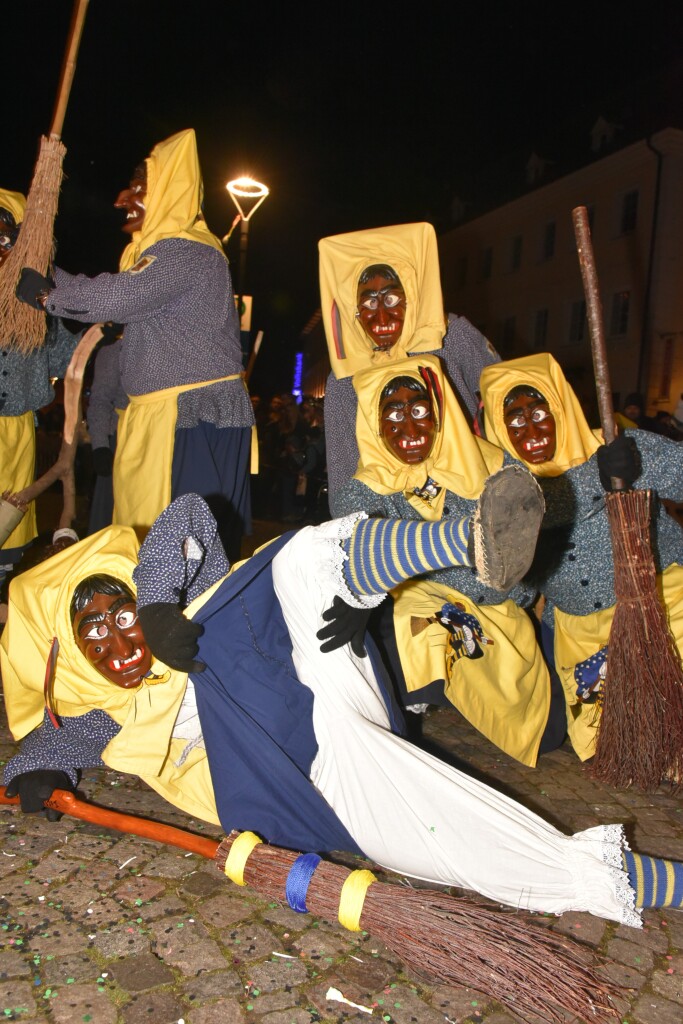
{"type": "Point", "coordinates": [102, 875]}
{"type": "Point", "coordinates": [405, 1006]}
{"type": "Point", "coordinates": [225, 1011]}
{"type": "Point", "coordinates": [55, 867]}
{"type": "Point", "coordinates": [224, 910]}
{"type": "Point", "coordinates": [85, 847]}
{"type": "Point", "coordinates": [13, 965]}
{"type": "Point", "coordinates": [100, 912]}
{"type": "Point", "coordinates": [31, 846]}
{"type": "Point", "coordinates": [272, 975]}
{"type": "Point", "coordinates": [170, 864]}
{"type": "Point", "coordinates": [672, 926]}
{"type": "Point", "coordinates": [12, 863]}
{"type": "Point", "coordinates": [365, 976]}
{"type": "Point", "coordinates": [141, 850]}
{"type": "Point", "coordinates": [653, 1009]}
{"type": "Point", "coordinates": [186, 946]}
{"type": "Point", "coordinates": [585, 928]}
{"type": "Point", "coordinates": [56, 937]}
{"type": "Point", "coordinates": [138, 888]}
{"type": "Point", "coordinates": [319, 945]}
{"type": "Point", "coordinates": [122, 940]}
{"type": "Point", "coordinates": [630, 954]}
{"type": "Point", "coordinates": [652, 935]}
{"type": "Point", "coordinates": [250, 941]}
{"type": "Point", "coordinates": [269, 1002]}
{"type": "Point", "coordinates": [331, 1009]}
{"type": "Point", "coordinates": [297, 1015]}
{"type": "Point", "coordinates": [18, 997]}
{"type": "Point", "coordinates": [624, 975]}
{"type": "Point", "coordinates": [458, 1003]}
{"type": "Point", "coordinates": [203, 883]}
{"type": "Point", "coordinates": [212, 985]}
{"type": "Point", "coordinates": [140, 973]}
{"type": "Point", "coordinates": [155, 1008]}
{"type": "Point", "coordinates": [164, 906]}
{"type": "Point", "coordinates": [284, 917]}
{"type": "Point", "coordinates": [668, 981]}
{"type": "Point", "coordinates": [74, 1004]}
{"type": "Point", "coordinates": [63, 970]}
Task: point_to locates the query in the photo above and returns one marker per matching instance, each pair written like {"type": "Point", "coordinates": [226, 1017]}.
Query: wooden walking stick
{"type": "Point", "coordinates": [640, 738]}
{"type": "Point", "coordinates": [23, 327]}
{"type": "Point", "coordinates": [63, 468]}
{"type": "Point", "coordinates": [453, 939]}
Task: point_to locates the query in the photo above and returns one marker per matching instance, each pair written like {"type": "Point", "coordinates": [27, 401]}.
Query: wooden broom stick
{"type": "Point", "coordinates": [640, 738]}
{"type": "Point", "coordinates": [23, 328]}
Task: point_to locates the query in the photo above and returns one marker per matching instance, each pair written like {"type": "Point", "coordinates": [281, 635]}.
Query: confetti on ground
{"type": "Point", "coordinates": [335, 994]}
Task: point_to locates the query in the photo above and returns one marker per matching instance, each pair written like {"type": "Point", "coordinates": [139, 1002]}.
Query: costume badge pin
{"type": "Point", "coordinates": [142, 264]}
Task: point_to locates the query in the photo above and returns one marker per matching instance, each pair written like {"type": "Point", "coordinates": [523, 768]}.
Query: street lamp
{"type": "Point", "coordinates": [242, 190]}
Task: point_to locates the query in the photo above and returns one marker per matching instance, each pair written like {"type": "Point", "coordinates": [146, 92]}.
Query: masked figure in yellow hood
{"type": "Point", "coordinates": [381, 301]}
{"type": "Point", "coordinates": [266, 716]}
{"type": "Point", "coordinates": [476, 645]}
{"type": "Point", "coordinates": [25, 387]}
{"type": "Point", "coordinates": [532, 412]}
{"type": "Point", "coordinates": [188, 424]}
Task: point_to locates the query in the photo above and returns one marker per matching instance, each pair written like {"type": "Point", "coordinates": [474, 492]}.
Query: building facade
{"type": "Point", "coordinates": [514, 271]}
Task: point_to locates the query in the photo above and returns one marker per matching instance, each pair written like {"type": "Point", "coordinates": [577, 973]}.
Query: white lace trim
{"type": "Point", "coordinates": [331, 566]}
{"type": "Point", "coordinates": [611, 842]}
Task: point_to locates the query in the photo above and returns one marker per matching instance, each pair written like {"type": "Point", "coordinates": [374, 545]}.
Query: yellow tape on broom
{"type": "Point", "coordinates": [238, 856]}
{"type": "Point", "coordinates": [352, 898]}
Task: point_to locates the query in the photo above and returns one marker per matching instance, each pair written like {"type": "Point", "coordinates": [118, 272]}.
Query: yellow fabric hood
{"type": "Point", "coordinates": [173, 202]}
{"type": "Point", "coordinates": [410, 249]}
{"type": "Point", "coordinates": [576, 442]}
{"type": "Point", "coordinates": [14, 202]}
{"type": "Point", "coordinates": [458, 461]}
{"type": "Point", "coordinates": [39, 610]}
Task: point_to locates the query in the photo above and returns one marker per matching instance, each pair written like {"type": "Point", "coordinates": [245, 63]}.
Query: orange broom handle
{"type": "Point", "coordinates": [68, 67]}
{"type": "Point", "coordinates": [67, 803]}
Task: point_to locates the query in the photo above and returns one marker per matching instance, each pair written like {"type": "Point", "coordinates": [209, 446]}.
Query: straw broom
{"type": "Point", "coordinates": [640, 738]}
{"type": "Point", "coordinates": [23, 328]}
{"type": "Point", "coordinates": [455, 940]}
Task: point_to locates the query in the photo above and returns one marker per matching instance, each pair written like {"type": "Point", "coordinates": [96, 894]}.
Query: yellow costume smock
{"type": "Point", "coordinates": [39, 609]}
{"type": "Point", "coordinates": [484, 645]}
{"type": "Point", "coordinates": [574, 564]}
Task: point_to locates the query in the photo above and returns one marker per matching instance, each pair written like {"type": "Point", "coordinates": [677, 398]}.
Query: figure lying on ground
{"type": "Point", "coordinates": [258, 729]}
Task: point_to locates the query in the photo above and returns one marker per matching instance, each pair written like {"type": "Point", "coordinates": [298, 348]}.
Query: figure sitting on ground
{"type": "Point", "coordinates": [532, 412]}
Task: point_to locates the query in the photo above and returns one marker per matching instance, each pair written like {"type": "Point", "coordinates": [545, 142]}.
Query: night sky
{"type": "Point", "coordinates": [354, 115]}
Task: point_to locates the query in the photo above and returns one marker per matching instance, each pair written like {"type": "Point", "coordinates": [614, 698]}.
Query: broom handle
{"type": "Point", "coordinates": [68, 68]}
{"type": "Point", "coordinates": [582, 233]}
{"type": "Point", "coordinates": [67, 803]}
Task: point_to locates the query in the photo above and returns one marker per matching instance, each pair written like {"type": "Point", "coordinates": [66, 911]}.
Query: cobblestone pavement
{"type": "Point", "coordinates": [104, 928]}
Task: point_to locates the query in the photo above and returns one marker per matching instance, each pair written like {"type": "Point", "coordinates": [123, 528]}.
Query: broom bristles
{"type": "Point", "coordinates": [455, 940]}
{"type": "Point", "coordinates": [640, 737]}
{"type": "Point", "coordinates": [23, 328]}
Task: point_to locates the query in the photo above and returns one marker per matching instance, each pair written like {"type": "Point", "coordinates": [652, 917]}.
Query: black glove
{"type": "Point", "coordinates": [33, 286]}
{"type": "Point", "coordinates": [102, 461]}
{"type": "Point", "coordinates": [171, 637]}
{"type": "Point", "coordinates": [111, 332]}
{"type": "Point", "coordinates": [347, 625]}
{"type": "Point", "coordinates": [33, 788]}
{"type": "Point", "coordinates": [620, 459]}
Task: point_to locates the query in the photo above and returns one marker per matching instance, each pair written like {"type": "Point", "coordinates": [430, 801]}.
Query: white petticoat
{"type": "Point", "coordinates": [407, 810]}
